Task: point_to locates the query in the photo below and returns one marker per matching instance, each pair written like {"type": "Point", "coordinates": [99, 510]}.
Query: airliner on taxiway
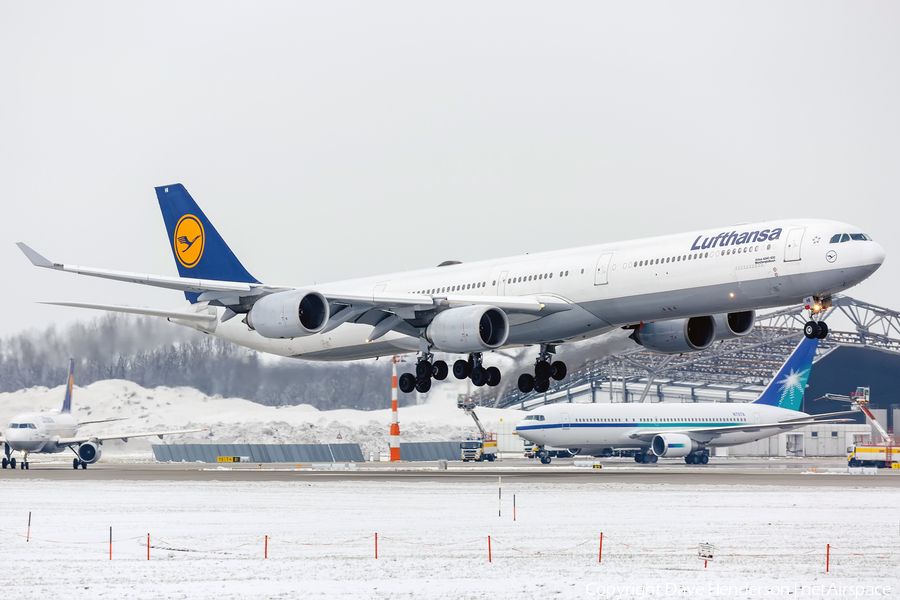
{"type": "Point", "coordinates": [678, 429]}
{"type": "Point", "coordinates": [54, 432]}
{"type": "Point", "coordinates": [679, 293]}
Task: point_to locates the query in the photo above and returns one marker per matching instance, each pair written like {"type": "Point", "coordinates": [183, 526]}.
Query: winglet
{"type": "Point", "coordinates": [35, 258]}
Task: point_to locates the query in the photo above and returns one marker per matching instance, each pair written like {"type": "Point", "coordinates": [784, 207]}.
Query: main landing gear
{"type": "Point", "coordinates": [543, 371]}
{"type": "Point", "coordinates": [425, 371]}
{"type": "Point", "coordinates": [474, 370]}
{"type": "Point", "coordinates": [9, 460]}
{"type": "Point", "coordinates": [701, 457]}
{"type": "Point", "coordinates": [814, 329]}
{"type": "Point", "coordinates": [78, 463]}
{"type": "Point", "coordinates": [645, 457]}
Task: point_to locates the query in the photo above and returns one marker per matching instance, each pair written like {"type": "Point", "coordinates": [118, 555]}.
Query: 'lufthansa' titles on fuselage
{"type": "Point", "coordinates": [735, 239]}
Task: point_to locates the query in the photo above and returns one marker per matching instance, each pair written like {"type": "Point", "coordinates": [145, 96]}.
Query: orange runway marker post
{"type": "Point", "coordinates": [28, 535]}
{"type": "Point", "coordinates": [395, 423]}
{"type": "Point", "coordinates": [376, 546]}
{"type": "Point", "coordinates": [514, 507]}
{"type": "Point", "coordinates": [148, 546]}
{"type": "Point", "coordinates": [600, 556]}
{"type": "Point", "coordinates": [110, 543]}
{"type": "Point", "coordinates": [827, 557]}
{"type": "Point", "coordinates": [489, 549]}
{"type": "Point", "coordinates": [266, 551]}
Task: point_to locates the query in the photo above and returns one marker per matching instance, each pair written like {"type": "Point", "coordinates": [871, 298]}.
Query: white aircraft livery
{"type": "Point", "coordinates": [674, 429]}
{"type": "Point", "coordinates": [53, 432]}
{"type": "Point", "coordinates": [679, 293]}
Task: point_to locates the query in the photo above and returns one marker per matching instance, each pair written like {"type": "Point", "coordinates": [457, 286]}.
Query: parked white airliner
{"type": "Point", "coordinates": [53, 432]}
{"type": "Point", "coordinates": [676, 429]}
{"type": "Point", "coordinates": [680, 293]}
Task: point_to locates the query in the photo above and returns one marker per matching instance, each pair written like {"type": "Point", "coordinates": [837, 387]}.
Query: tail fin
{"type": "Point", "coordinates": [787, 387]}
{"type": "Point", "coordinates": [199, 250]}
{"type": "Point", "coordinates": [67, 403]}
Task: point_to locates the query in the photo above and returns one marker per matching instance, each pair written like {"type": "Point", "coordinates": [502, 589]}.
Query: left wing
{"type": "Point", "coordinates": [238, 297]}
{"type": "Point", "coordinates": [124, 436]}
{"type": "Point", "coordinates": [707, 434]}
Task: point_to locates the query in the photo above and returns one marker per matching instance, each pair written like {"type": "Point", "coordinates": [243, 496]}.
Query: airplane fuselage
{"type": "Point", "coordinates": [595, 427]}
{"type": "Point", "coordinates": [744, 267]}
{"type": "Point", "coordinates": [39, 432]}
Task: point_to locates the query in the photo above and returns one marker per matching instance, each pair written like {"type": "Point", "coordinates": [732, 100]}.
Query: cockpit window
{"type": "Point", "coordinates": [534, 418]}
{"type": "Point", "coordinates": [846, 237]}
{"type": "Point", "coordinates": [22, 426]}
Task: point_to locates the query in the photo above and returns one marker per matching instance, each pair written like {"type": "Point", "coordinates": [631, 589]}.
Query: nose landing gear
{"type": "Point", "coordinates": [815, 327]}
{"type": "Point", "coordinates": [544, 370]}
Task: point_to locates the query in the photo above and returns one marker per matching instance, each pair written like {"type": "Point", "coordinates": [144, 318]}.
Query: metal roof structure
{"type": "Point", "coordinates": [731, 370]}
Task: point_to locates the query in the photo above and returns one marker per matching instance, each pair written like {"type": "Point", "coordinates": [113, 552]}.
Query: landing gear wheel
{"type": "Point", "coordinates": [541, 385]}
{"type": "Point", "coordinates": [75, 463]}
{"type": "Point", "coordinates": [704, 458]}
{"type": "Point", "coordinates": [558, 370]}
{"type": "Point", "coordinates": [5, 462]}
{"type": "Point", "coordinates": [423, 369]}
{"type": "Point", "coordinates": [407, 383]}
{"type": "Point", "coordinates": [12, 463]}
{"type": "Point", "coordinates": [440, 370]}
{"type": "Point", "coordinates": [526, 383]}
{"type": "Point", "coordinates": [823, 331]}
{"type": "Point", "coordinates": [493, 376]}
{"type": "Point", "coordinates": [545, 460]}
{"type": "Point", "coordinates": [423, 385]}
{"type": "Point", "coordinates": [461, 369]}
{"type": "Point", "coordinates": [83, 465]}
{"type": "Point", "coordinates": [479, 376]}
{"type": "Point", "coordinates": [653, 458]}
{"type": "Point", "coordinates": [811, 330]}
{"type": "Point", "coordinates": [689, 459]}
{"type": "Point", "coordinates": [638, 458]}
{"type": "Point", "coordinates": [542, 370]}
{"type": "Point", "coordinates": [22, 465]}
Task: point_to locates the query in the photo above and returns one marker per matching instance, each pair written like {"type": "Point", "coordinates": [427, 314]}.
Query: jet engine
{"type": "Point", "coordinates": [289, 314]}
{"type": "Point", "coordinates": [468, 329]}
{"type": "Point", "coordinates": [89, 452]}
{"type": "Point", "coordinates": [733, 325]}
{"type": "Point", "coordinates": [677, 336]}
{"type": "Point", "coordinates": [673, 444]}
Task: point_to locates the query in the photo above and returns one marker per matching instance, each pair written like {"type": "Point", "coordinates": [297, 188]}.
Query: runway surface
{"type": "Point", "coordinates": [744, 471]}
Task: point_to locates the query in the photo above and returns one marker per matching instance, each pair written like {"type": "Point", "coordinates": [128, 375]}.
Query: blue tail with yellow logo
{"type": "Point", "coordinates": [67, 401]}
{"type": "Point", "coordinates": [787, 387]}
{"type": "Point", "coordinates": [199, 250]}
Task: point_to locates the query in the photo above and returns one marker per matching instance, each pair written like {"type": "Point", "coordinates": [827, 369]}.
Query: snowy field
{"type": "Point", "coordinates": [207, 540]}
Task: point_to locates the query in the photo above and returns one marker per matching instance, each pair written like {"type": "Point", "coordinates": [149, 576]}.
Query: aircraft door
{"type": "Point", "coordinates": [564, 418]}
{"type": "Point", "coordinates": [501, 284]}
{"type": "Point", "coordinates": [756, 417]}
{"type": "Point", "coordinates": [792, 246]}
{"type": "Point", "coordinates": [601, 274]}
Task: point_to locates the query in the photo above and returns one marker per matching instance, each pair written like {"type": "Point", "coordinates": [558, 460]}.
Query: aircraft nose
{"type": "Point", "coordinates": [876, 256]}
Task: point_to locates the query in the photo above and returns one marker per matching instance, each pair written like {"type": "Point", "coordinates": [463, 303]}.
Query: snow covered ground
{"type": "Point", "coordinates": [207, 540]}
{"type": "Point", "coordinates": [234, 420]}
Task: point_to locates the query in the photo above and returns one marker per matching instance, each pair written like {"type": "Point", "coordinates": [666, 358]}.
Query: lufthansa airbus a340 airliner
{"type": "Point", "coordinates": [679, 293]}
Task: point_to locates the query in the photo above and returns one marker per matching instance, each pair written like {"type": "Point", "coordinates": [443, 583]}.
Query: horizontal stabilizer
{"type": "Point", "coordinates": [152, 312]}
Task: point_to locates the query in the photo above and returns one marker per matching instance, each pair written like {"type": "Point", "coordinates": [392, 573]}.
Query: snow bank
{"type": "Point", "coordinates": [234, 420]}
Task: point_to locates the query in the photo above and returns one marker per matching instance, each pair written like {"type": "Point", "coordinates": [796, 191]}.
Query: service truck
{"type": "Point", "coordinates": [484, 445]}
{"type": "Point", "coordinates": [880, 451]}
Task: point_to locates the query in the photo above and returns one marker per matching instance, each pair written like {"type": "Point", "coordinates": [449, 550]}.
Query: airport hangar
{"type": "Point", "coordinates": [738, 370]}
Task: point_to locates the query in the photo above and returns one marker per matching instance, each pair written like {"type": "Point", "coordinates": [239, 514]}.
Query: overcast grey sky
{"type": "Point", "coordinates": [339, 139]}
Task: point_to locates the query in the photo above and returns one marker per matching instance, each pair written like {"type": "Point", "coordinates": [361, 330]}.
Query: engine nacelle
{"type": "Point", "coordinates": [290, 314]}
{"type": "Point", "coordinates": [468, 329]}
{"type": "Point", "coordinates": [734, 325]}
{"type": "Point", "coordinates": [677, 336]}
{"type": "Point", "coordinates": [673, 444]}
{"type": "Point", "coordinates": [89, 452]}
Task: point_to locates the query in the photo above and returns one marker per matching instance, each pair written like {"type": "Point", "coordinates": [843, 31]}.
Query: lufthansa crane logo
{"type": "Point", "coordinates": [189, 240]}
